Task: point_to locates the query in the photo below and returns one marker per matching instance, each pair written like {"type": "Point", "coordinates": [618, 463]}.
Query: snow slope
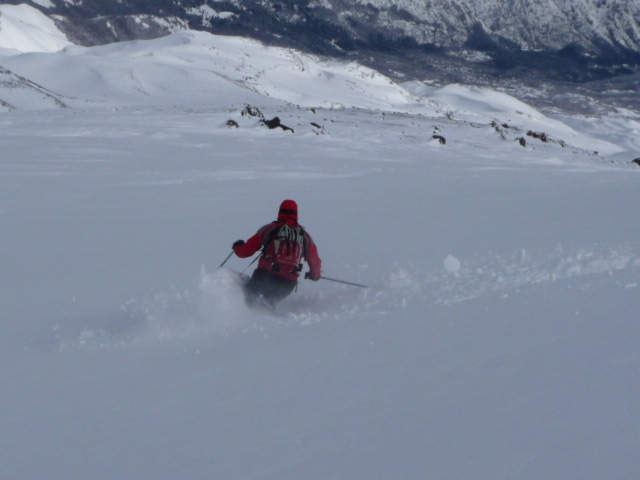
{"type": "Point", "coordinates": [214, 68]}
{"type": "Point", "coordinates": [25, 29]}
{"type": "Point", "coordinates": [499, 338]}
{"type": "Point", "coordinates": [199, 70]}
{"type": "Point", "coordinates": [17, 92]}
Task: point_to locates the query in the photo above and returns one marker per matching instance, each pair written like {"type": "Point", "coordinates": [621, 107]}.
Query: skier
{"type": "Point", "coordinates": [284, 245]}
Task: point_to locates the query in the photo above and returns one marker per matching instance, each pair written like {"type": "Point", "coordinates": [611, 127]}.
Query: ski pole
{"type": "Point", "coordinates": [226, 259]}
{"type": "Point", "coordinates": [344, 282]}
{"type": "Point", "coordinates": [252, 262]}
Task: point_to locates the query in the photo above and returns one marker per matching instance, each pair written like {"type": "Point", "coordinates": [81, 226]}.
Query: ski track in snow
{"type": "Point", "coordinates": [215, 304]}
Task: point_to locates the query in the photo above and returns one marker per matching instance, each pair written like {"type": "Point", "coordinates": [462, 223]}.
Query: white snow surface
{"type": "Point", "coordinates": [44, 3]}
{"type": "Point", "coordinates": [499, 337]}
{"type": "Point", "coordinates": [26, 29]}
{"type": "Point", "coordinates": [196, 67]}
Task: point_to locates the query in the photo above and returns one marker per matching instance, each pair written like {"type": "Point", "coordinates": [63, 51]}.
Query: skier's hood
{"type": "Point", "coordinates": [288, 212]}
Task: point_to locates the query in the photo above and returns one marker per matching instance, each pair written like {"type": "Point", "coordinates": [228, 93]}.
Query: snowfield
{"type": "Point", "coordinates": [23, 28]}
{"type": "Point", "coordinates": [499, 337]}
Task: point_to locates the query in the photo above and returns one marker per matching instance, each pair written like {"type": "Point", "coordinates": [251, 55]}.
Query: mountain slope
{"type": "Point", "coordinates": [195, 66]}
{"type": "Point", "coordinates": [609, 30]}
{"type": "Point", "coordinates": [25, 29]}
{"type": "Point", "coordinates": [199, 70]}
{"type": "Point", "coordinates": [17, 92]}
{"type": "Point", "coordinates": [499, 336]}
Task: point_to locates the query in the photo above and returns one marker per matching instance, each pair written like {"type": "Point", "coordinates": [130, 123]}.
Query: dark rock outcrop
{"type": "Point", "coordinates": [275, 123]}
{"type": "Point", "coordinates": [543, 137]}
{"type": "Point", "coordinates": [251, 111]}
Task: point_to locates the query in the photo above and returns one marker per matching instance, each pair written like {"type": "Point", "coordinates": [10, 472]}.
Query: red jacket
{"type": "Point", "coordinates": [257, 242]}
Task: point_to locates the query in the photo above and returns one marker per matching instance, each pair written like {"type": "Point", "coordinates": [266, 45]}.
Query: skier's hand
{"type": "Point", "coordinates": [308, 276]}
{"type": "Point", "coordinates": [238, 243]}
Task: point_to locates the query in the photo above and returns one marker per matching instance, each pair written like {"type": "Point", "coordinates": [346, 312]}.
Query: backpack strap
{"type": "Point", "coordinates": [273, 229]}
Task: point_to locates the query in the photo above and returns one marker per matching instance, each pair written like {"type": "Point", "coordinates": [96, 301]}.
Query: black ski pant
{"type": "Point", "coordinates": [271, 287]}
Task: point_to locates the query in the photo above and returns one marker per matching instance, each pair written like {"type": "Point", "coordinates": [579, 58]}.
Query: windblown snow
{"type": "Point", "coordinates": [498, 337]}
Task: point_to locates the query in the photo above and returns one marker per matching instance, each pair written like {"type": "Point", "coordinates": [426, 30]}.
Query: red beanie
{"type": "Point", "coordinates": [288, 209]}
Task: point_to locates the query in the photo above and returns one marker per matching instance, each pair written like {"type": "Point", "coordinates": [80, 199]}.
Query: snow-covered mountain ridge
{"type": "Point", "coordinates": [608, 31]}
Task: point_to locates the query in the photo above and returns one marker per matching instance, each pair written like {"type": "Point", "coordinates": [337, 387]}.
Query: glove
{"type": "Point", "coordinates": [308, 276]}
{"type": "Point", "coordinates": [238, 243]}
